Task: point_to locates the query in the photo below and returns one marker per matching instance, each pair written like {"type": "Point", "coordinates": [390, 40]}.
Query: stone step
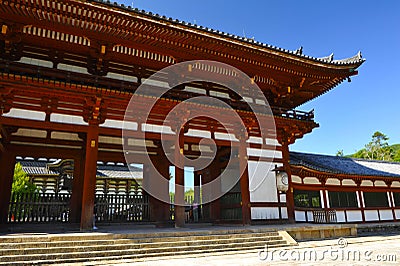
{"type": "Point", "coordinates": [134, 257]}
{"type": "Point", "coordinates": [134, 253]}
{"type": "Point", "coordinates": [50, 242]}
{"type": "Point", "coordinates": [86, 247]}
{"type": "Point", "coordinates": [58, 247]}
{"type": "Point", "coordinates": [102, 236]}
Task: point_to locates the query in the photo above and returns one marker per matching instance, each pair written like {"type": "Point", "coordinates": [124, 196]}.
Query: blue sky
{"type": "Point", "coordinates": [349, 114]}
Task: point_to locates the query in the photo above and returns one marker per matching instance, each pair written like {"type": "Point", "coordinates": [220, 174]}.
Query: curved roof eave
{"type": "Point", "coordinates": [348, 63]}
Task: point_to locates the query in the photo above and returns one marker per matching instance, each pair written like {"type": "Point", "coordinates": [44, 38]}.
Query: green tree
{"type": "Point", "coordinates": [21, 183]}
{"type": "Point", "coordinates": [378, 148]}
{"type": "Point", "coordinates": [340, 153]}
{"type": "Point", "coordinates": [396, 156]}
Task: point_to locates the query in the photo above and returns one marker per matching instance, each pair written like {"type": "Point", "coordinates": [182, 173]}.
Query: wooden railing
{"type": "Point", "coordinates": [55, 207]}
{"type": "Point", "coordinates": [39, 207]}
{"type": "Point", "coordinates": [122, 208]}
{"type": "Point", "coordinates": [324, 216]}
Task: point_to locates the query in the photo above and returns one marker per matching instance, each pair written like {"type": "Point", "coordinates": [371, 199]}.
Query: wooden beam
{"type": "Point", "coordinates": [45, 152]}
{"type": "Point", "coordinates": [43, 125]}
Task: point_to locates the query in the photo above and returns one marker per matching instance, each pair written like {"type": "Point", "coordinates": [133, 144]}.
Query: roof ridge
{"type": "Point", "coordinates": [298, 52]}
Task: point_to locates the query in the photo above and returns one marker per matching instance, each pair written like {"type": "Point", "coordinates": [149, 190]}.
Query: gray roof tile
{"type": "Point", "coordinates": [33, 167]}
{"type": "Point", "coordinates": [344, 165]}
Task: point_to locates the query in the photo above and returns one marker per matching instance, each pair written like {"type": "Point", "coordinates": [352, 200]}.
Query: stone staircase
{"type": "Point", "coordinates": [97, 246]}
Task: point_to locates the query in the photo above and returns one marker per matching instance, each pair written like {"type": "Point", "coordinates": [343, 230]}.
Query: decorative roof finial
{"type": "Point", "coordinates": [299, 51]}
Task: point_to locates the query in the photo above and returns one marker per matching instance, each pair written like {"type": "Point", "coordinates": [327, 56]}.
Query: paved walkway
{"type": "Point", "coordinates": [367, 250]}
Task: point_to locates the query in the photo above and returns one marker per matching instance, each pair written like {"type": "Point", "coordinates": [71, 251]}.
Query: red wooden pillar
{"type": "Point", "coordinates": [77, 189]}
{"type": "Point", "coordinates": [179, 182]}
{"type": "Point", "coordinates": [7, 165]}
{"type": "Point", "coordinates": [244, 179]}
{"type": "Point", "coordinates": [289, 193]}
{"type": "Point", "coordinates": [164, 205]}
{"type": "Point", "coordinates": [215, 205]}
{"type": "Point", "coordinates": [159, 198]}
{"type": "Point", "coordinates": [89, 178]}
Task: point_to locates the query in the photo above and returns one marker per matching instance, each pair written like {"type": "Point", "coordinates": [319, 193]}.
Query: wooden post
{"type": "Point", "coordinates": [159, 209]}
{"type": "Point", "coordinates": [7, 166]}
{"type": "Point", "coordinates": [244, 179]}
{"type": "Point", "coordinates": [89, 182]}
{"type": "Point", "coordinates": [289, 193]}
{"type": "Point", "coordinates": [162, 166]}
{"type": "Point", "coordinates": [214, 173]}
{"type": "Point", "coordinates": [77, 190]}
{"type": "Point", "coordinates": [179, 182]}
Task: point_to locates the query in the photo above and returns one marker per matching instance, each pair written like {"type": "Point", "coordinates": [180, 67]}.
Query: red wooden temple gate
{"type": "Point", "coordinates": [69, 68]}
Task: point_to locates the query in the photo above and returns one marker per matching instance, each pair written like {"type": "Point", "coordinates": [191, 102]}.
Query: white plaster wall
{"type": "Point", "coordinates": [67, 119]}
{"type": "Point", "coordinates": [386, 214]}
{"type": "Point", "coordinates": [396, 184]}
{"type": "Point", "coordinates": [284, 213]}
{"type": "Point", "coordinates": [311, 181]}
{"type": "Point", "coordinates": [296, 179]}
{"type": "Point", "coordinates": [264, 153]}
{"type": "Point", "coordinates": [380, 183]}
{"type": "Point", "coordinates": [348, 182]}
{"type": "Point", "coordinates": [157, 129]}
{"type": "Point", "coordinates": [354, 216]}
{"type": "Point", "coordinates": [26, 114]}
{"type": "Point", "coordinates": [111, 140]}
{"type": "Point", "coordinates": [371, 215]}
{"type": "Point", "coordinates": [262, 182]}
{"type": "Point", "coordinates": [30, 133]}
{"type": "Point", "coordinates": [340, 217]}
{"type": "Point", "coordinates": [367, 183]}
{"type": "Point", "coordinates": [333, 181]}
{"type": "Point", "coordinates": [310, 216]}
{"type": "Point", "coordinates": [283, 197]}
{"type": "Point", "coordinates": [258, 213]}
{"type": "Point", "coordinates": [65, 135]}
{"type": "Point", "coordinates": [397, 213]}
{"type": "Point", "coordinates": [299, 216]}
{"type": "Point", "coordinates": [127, 125]}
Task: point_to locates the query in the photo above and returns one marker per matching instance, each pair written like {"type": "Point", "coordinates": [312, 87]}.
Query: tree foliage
{"type": "Point", "coordinates": [21, 183]}
{"type": "Point", "coordinates": [377, 149]}
{"type": "Point", "coordinates": [340, 153]}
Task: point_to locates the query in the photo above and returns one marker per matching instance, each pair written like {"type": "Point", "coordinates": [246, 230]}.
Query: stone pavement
{"type": "Point", "coordinates": [365, 250]}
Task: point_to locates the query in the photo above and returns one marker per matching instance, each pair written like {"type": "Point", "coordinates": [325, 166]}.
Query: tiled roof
{"type": "Point", "coordinates": [35, 167]}
{"type": "Point", "coordinates": [357, 59]}
{"type": "Point", "coordinates": [117, 171]}
{"type": "Point", "coordinates": [343, 165]}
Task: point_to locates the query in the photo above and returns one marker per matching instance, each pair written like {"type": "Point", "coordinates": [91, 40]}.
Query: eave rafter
{"type": "Point", "coordinates": [101, 23]}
